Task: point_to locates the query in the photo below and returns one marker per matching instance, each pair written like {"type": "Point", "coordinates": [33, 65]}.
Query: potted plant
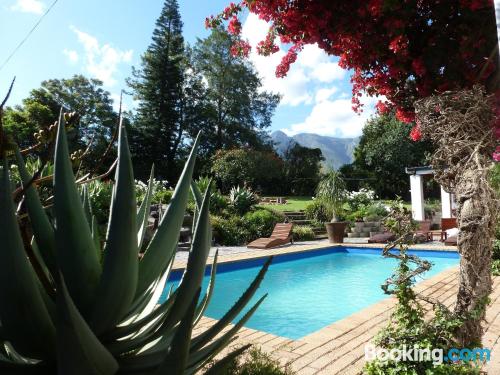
{"type": "Point", "coordinates": [331, 191]}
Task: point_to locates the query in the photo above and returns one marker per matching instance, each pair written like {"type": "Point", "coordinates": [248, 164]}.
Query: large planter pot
{"type": "Point", "coordinates": [336, 231]}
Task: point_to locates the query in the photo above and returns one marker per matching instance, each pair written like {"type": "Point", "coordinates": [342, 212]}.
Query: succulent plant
{"type": "Point", "coordinates": [73, 306]}
{"type": "Point", "coordinates": [242, 199]}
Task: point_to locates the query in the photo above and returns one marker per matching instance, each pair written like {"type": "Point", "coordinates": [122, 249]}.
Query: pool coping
{"type": "Point", "coordinates": [293, 249]}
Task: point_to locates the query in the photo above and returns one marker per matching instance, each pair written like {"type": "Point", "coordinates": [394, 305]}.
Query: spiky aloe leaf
{"type": "Point", "coordinates": [177, 357]}
{"type": "Point", "coordinates": [130, 329]}
{"type": "Point", "coordinates": [76, 254]}
{"type": "Point", "coordinates": [144, 209]}
{"type": "Point", "coordinates": [86, 204]}
{"type": "Point", "coordinates": [195, 268]}
{"type": "Point", "coordinates": [96, 237]}
{"type": "Point", "coordinates": [190, 282]}
{"type": "Point", "coordinates": [26, 322]}
{"type": "Point", "coordinates": [205, 337]}
{"type": "Point", "coordinates": [200, 310]}
{"type": "Point", "coordinates": [164, 242]}
{"type": "Point", "coordinates": [220, 366]}
{"type": "Point", "coordinates": [118, 282]}
{"type": "Point", "coordinates": [199, 358]}
{"type": "Point", "coordinates": [79, 350]}
{"type": "Point", "coordinates": [41, 226]}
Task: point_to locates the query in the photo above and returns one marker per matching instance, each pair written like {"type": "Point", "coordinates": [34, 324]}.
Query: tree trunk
{"type": "Point", "coordinates": [460, 125]}
{"type": "Point", "coordinates": [476, 223]}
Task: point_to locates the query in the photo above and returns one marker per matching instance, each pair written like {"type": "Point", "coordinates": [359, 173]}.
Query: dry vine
{"type": "Point", "coordinates": [460, 124]}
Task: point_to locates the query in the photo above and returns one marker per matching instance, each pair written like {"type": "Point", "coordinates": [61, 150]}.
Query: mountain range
{"type": "Point", "coordinates": [336, 151]}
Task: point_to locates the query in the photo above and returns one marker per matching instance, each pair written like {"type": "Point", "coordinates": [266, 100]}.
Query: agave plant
{"type": "Point", "coordinates": [77, 307]}
{"type": "Point", "coordinates": [242, 199]}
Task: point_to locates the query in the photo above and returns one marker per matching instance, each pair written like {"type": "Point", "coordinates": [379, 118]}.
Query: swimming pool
{"type": "Point", "coordinates": [310, 290]}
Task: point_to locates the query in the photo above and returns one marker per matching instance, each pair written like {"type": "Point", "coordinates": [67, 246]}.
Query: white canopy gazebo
{"type": "Point", "coordinates": [417, 194]}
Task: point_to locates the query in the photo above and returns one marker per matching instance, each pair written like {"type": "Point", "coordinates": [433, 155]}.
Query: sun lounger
{"type": "Point", "coordinates": [382, 238]}
{"type": "Point", "coordinates": [282, 234]}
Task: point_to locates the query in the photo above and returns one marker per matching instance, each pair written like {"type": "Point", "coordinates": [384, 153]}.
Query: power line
{"type": "Point", "coordinates": [28, 35]}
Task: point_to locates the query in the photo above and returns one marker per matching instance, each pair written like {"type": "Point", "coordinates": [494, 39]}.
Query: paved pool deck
{"type": "Point", "coordinates": [339, 347]}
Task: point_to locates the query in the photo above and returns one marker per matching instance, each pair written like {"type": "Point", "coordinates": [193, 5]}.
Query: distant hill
{"type": "Point", "coordinates": [336, 151]}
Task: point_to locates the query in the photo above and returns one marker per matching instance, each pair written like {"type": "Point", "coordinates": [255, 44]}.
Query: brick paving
{"type": "Point", "coordinates": [339, 347]}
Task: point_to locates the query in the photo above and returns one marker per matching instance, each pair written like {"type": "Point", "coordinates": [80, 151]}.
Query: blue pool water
{"type": "Point", "coordinates": [308, 291]}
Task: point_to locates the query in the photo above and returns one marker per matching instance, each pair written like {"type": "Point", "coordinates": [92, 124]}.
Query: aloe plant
{"type": "Point", "coordinates": [76, 307]}
{"type": "Point", "coordinates": [242, 199]}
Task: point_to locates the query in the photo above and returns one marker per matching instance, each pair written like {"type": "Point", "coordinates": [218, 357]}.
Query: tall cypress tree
{"type": "Point", "coordinates": [158, 87]}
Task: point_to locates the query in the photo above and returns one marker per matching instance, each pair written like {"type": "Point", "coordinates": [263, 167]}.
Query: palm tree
{"type": "Point", "coordinates": [331, 191]}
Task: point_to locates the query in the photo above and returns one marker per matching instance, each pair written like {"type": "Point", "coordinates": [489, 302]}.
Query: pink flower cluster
{"type": "Point", "coordinates": [241, 48]}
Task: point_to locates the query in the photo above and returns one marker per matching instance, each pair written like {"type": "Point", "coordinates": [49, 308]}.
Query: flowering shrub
{"type": "Point", "coordinates": [361, 198]}
{"type": "Point", "coordinates": [161, 194]}
{"type": "Point", "coordinates": [402, 50]}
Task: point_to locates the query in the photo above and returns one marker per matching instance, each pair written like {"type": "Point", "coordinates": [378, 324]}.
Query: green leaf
{"type": "Point", "coordinates": [86, 204]}
{"type": "Point", "coordinates": [210, 333]}
{"type": "Point", "coordinates": [41, 226]}
{"type": "Point", "coordinates": [118, 283]}
{"type": "Point", "coordinates": [76, 253]}
{"type": "Point", "coordinates": [79, 350]}
{"type": "Point", "coordinates": [176, 358]}
{"type": "Point", "coordinates": [164, 242]}
{"type": "Point", "coordinates": [130, 329]}
{"type": "Point", "coordinates": [26, 322]}
{"type": "Point", "coordinates": [198, 358]}
{"type": "Point", "coordinates": [195, 268]}
{"type": "Point", "coordinates": [144, 210]}
{"type": "Point", "coordinates": [96, 238]}
{"type": "Point", "coordinates": [210, 289]}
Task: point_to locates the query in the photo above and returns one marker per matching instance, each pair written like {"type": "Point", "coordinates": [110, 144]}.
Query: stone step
{"type": "Point", "coordinates": [302, 222]}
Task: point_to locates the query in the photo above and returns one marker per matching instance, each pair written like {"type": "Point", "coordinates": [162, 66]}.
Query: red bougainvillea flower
{"type": "Point", "coordinates": [402, 50]}
{"type": "Point", "coordinates": [240, 48]}
{"type": "Point", "coordinates": [415, 133]}
{"type": "Point", "coordinates": [405, 115]}
{"type": "Point", "coordinates": [382, 107]}
{"type": "Point", "coordinates": [496, 154]}
{"type": "Point", "coordinates": [234, 26]}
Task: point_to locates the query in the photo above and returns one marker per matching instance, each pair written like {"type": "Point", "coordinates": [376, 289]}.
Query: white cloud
{"type": "Point", "coordinates": [101, 61]}
{"type": "Point", "coordinates": [313, 66]}
{"type": "Point", "coordinates": [28, 6]}
{"type": "Point", "coordinates": [72, 55]}
{"type": "Point", "coordinates": [325, 94]}
{"type": "Point", "coordinates": [335, 118]}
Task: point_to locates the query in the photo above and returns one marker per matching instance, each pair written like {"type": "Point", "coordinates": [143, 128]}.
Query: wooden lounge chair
{"type": "Point", "coordinates": [447, 223]}
{"type": "Point", "coordinates": [382, 238]}
{"type": "Point", "coordinates": [282, 234]}
{"type": "Point", "coordinates": [423, 233]}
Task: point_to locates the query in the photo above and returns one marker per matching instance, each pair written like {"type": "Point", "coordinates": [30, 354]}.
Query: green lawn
{"type": "Point", "coordinates": [293, 204]}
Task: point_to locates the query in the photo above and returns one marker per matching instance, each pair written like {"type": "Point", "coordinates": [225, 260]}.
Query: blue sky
{"type": "Point", "coordinates": [99, 38]}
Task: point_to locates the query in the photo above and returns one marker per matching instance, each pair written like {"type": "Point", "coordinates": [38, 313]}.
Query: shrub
{"type": "Point", "coordinates": [256, 363]}
{"type": "Point", "coordinates": [230, 231]}
{"type": "Point", "coordinates": [260, 170]}
{"type": "Point", "coordinates": [261, 222]}
{"type": "Point", "coordinates": [376, 211]}
{"type": "Point", "coordinates": [361, 198]}
{"type": "Point", "coordinates": [303, 233]}
{"type": "Point", "coordinates": [318, 211]}
{"type": "Point", "coordinates": [161, 194]}
{"type": "Point", "coordinates": [100, 197]}
{"type": "Point", "coordinates": [242, 199]}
